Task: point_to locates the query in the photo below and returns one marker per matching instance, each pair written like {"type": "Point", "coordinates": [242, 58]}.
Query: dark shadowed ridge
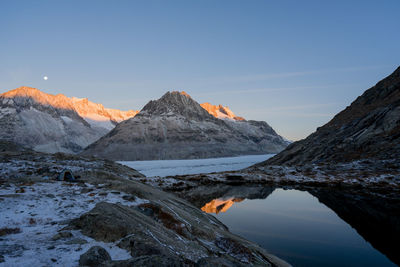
{"type": "Point", "coordinates": [368, 128]}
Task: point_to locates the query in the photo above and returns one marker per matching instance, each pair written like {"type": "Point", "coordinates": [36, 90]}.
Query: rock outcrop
{"type": "Point", "coordinates": [177, 127]}
{"type": "Point", "coordinates": [368, 128]}
{"type": "Point", "coordinates": [95, 256]}
{"type": "Point", "coordinates": [54, 123]}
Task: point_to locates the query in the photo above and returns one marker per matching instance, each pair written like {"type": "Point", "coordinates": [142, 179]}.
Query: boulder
{"type": "Point", "coordinates": [95, 256]}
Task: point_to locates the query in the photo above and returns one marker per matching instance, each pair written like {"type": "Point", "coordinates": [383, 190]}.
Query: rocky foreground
{"type": "Point", "coordinates": [105, 217]}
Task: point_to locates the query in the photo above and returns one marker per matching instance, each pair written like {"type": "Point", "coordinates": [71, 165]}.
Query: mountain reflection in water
{"type": "Point", "coordinates": [310, 226]}
{"type": "Point", "coordinates": [220, 205]}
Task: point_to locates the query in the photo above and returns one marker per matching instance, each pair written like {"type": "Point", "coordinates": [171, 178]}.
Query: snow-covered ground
{"type": "Point", "coordinates": [38, 213]}
{"type": "Point", "coordinates": [163, 168]}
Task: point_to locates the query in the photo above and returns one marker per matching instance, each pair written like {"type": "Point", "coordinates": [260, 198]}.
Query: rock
{"type": "Point", "coordinates": [64, 222]}
{"type": "Point", "coordinates": [235, 249]}
{"type": "Point", "coordinates": [216, 262]}
{"type": "Point", "coordinates": [86, 190]}
{"type": "Point", "coordinates": [61, 235]}
{"type": "Point", "coordinates": [8, 231]}
{"type": "Point", "coordinates": [66, 175]}
{"type": "Point", "coordinates": [20, 190]}
{"type": "Point", "coordinates": [95, 256]}
{"type": "Point", "coordinates": [104, 223]}
{"type": "Point", "coordinates": [157, 231]}
{"type": "Point", "coordinates": [14, 250]}
{"type": "Point", "coordinates": [76, 241]}
{"type": "Point", "coordinates": [129, 198]}
{"type": "Point", "coordinates": [6, 145]}
{"type": "Point", "coordinates": [150, 261]}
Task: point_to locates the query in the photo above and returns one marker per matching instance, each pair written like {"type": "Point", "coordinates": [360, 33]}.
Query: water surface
{"type": "Point", "coordinates": [295, 226]}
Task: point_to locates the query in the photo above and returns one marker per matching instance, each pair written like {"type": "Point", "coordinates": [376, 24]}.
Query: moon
{"type": "Point", "coordinates": [45, 78]}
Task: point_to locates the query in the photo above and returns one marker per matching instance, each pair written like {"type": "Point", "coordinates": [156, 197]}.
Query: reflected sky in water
{"type": "Point", "coordinates": [295, 226]}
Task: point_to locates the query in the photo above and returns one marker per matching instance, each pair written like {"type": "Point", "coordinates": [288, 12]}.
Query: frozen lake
{"type": "Point", "coordinates": [164, 168]}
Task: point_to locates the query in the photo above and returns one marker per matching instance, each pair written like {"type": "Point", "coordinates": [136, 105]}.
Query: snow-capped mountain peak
{"type": "Point", "coordinates": [27, 96]}
{"type": "Point", "coordinates": [95, 114]}
{"type": "Point", "coordinates": [53, 123]}
{"type": "Point", "coordinates": [220, 112]}
{"type": "Point", "coordinates": [175, 102]}
{"type": "Point", "coordinates": [177, 127]}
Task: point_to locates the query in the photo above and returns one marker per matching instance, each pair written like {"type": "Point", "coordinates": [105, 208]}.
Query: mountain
{"type": "Point", "coordinates": [368, 128]}
{"type": "Point", "coordinates": [220, 112]}
{"type": "Point", "coordinates": [98, 115]}
{"type": "Point", "coordinates": [54, 123]}
{"type": "Point", "coordinates": [177, 127]}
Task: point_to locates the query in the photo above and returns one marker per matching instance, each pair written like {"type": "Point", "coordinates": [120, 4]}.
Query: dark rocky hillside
{"type": "Point", "coordinates": [367, 129]}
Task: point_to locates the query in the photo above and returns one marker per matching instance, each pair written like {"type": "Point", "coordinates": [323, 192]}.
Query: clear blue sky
{"type": "Point", "coordinates": [293, 64]}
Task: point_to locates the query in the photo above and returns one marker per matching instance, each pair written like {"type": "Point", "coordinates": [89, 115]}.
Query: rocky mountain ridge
{"type": "Point", "coordinates": [54, 123]}
{"type": "Point", "coordinates": [90, 111]}
{"type": "Point", "coordinates": [367, 129]}
{"type": "Point", "coordinates": [177, 127]}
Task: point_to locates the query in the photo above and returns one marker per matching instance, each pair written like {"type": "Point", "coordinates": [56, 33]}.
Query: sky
{"type": "Point", "coordinates": [293, 64]}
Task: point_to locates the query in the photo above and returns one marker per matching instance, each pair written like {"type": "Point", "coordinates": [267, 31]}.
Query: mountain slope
{"type": "Point", "coordinates": [54, 123]}
{"type": "Point", "coordinates": [177, 127]}
{"type": "Point", "coordinates": [368, 128]}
